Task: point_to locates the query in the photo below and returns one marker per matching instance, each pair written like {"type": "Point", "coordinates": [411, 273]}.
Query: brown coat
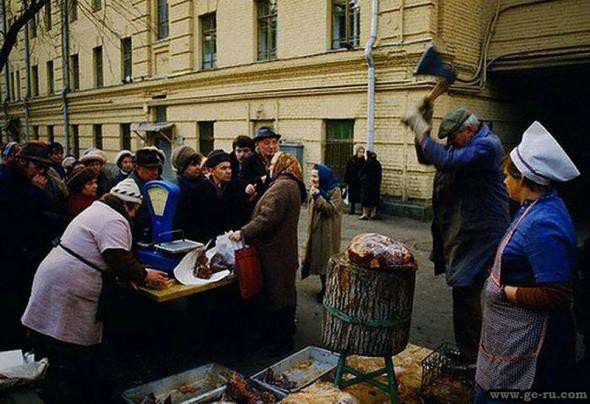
{"type": "Point", "coordinates": [273, 231]}
{"type": "Point", "coordinates": [324, 230]}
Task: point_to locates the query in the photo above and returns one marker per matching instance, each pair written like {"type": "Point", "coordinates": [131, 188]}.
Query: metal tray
{"type": "Point", "coordinates": [209, 381]}
{"type": "Point", "coordinates": [178, 246]}
{"type": "Point", "coordinates": [303, 368]}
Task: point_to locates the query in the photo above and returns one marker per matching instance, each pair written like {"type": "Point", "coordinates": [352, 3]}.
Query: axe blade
{"type": "Point", "coordinates": [431, 64]}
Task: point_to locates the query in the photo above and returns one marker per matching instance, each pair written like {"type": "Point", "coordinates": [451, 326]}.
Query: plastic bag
{"type": "Point", "coordinates": [227, 248]}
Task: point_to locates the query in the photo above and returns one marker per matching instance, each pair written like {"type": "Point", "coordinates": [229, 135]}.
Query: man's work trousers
{"type": "Point", "coordinates": [467, 317]}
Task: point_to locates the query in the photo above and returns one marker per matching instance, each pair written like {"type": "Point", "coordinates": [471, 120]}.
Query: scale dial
{"type": "Point", "coordinates": [158, 197]}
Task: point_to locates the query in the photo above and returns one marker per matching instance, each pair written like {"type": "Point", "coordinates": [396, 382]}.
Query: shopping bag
{"type": "Point", "coordinates": [226, 248]}
{"type": "Point", "coordinates": [249, 272]}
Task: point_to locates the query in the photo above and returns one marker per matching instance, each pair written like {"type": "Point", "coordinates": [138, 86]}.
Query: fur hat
{"type": "Point", "coordinates": [121, 155]}
{"type": "Point", "coordinates": [127, 190]}
{"type": "Point", "coordinates": [147, 157]}
{"type": "Point", "coordinates": [216, 157]}
{"type": "Point", "coordinates": [79, 178]}
{"type": "Point", "coordinates": [93, 154]}
{"type": "Point", "coordinates": [182, 156]}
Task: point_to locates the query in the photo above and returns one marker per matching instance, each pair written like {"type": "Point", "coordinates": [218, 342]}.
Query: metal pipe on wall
{"type": "Point", "coordinates": [65, 50]}
{"type": "Point", "coordinates": [27, 56]}
{"type": "Point", "coordinates": [371, 75]}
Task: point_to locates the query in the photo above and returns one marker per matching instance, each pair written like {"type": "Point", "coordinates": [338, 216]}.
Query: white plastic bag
{"type": "Point", "coordinates": [227, 248]}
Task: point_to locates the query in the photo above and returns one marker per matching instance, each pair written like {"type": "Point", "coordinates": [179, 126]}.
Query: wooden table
{"type": "Point", "coordinates": [177, 290]}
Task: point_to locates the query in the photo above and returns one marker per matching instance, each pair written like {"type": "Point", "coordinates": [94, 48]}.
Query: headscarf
{"type": "Point", "coordinates": [287, 164]}
{"type": "Point", "coordinates": [328, 180]}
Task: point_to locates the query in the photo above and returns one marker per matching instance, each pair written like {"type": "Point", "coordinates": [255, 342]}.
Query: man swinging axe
{"type": "Point", "coordinates": [470, 201]}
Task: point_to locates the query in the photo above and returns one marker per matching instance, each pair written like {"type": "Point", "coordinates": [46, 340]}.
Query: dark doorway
{"type": "Point", "coordinates": [556, 97]}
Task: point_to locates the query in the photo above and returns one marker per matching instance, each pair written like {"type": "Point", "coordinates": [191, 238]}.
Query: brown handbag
{"type": "Point", "coordinates": [249, 272]}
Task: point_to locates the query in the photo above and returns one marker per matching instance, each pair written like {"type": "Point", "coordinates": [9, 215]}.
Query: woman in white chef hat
{"type": "Point", "coordinates": [528, 333]}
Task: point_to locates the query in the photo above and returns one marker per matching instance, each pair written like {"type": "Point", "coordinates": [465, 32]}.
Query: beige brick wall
{"type": "Point", "coordinates": [307, 84]}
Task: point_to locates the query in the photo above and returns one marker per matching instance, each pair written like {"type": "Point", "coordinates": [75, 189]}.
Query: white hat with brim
{"type": "Point", "coordinates": [541, 159]}
{"type": "Point", "coordinates": [127, 190]}
{"type": "Point", "coordinates": [93, 154]}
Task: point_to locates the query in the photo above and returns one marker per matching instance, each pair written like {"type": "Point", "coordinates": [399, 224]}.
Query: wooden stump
{"type": "Point", "coordinates": [368, 312]}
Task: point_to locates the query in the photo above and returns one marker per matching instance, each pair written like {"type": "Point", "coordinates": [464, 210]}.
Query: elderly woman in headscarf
{"type": "Point", "coordinates": [324, 224]}
{"type": "Point", "coordinates": [273, 231]}
{"type": "Point", "coordinates": [528, 334]}
{"type": "Point", "coordinates": [65, 312]}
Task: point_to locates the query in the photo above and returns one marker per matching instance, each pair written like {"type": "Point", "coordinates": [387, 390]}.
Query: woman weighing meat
{"type": "Point", "coordinates": [528, 334]}
{"type": "Point", "coordinates": [64, 312]}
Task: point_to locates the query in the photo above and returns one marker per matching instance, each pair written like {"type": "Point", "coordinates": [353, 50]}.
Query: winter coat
{"type": "Point", "coordinates": [273, 231]}
{"type": "Point", "coordinates": [142, 230]}
{"type": "Point", "coordinates": [324, 229]}
{"type": "Point", "coordinates": [186, 214]}
{"type": "Point", "coordinates": [352, 178]}
{"type": "Point", "coordinates": [253, 170]}
{"type": "Point", "coordinates": [470, 205]}
{"type": "Point", "coordinates": [370, 176]}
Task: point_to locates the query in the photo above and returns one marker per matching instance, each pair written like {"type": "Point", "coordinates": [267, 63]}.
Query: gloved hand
{"type": "Point", "coordinates": [427, 109]}
{"type": "Point", "coordinates": [415, 120]}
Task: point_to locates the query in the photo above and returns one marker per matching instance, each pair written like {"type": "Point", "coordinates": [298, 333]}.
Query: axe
{"type": "Point", "coordinates": [431, 64]}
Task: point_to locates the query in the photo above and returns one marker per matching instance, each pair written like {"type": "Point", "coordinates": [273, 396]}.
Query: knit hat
{"type": "Point", "coordinates": [93, 154]}
{"type": "Point", "coordinates": [79, 178]}
{"type": "Point", "coordinates": [121, 155]}
{"type": "Point", "coordinates": [147, 157]}
{"type": "Point", "coordinates": [127, 190]}
{"type": "Point", "coordinates": [452, 122]}
{"type": "Point", "coordinates": [216, 157]}
{"type": "Point", "coordinates": [182, 156]}
{"type": "Point", "coordinates": [36, 152]}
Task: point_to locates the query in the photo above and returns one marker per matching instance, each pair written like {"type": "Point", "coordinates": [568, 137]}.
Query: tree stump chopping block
{"type": "Point", "coordinates": [367, 312]}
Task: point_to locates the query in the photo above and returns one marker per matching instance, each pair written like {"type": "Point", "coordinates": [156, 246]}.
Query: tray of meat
{"type": "Point", "coordinates": [296, 371]}
{"type": "Point", "coordinates": [199, 385]}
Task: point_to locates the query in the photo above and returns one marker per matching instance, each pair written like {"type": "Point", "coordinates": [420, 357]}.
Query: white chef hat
{"type": "Point", "coordinates": [541, 159]}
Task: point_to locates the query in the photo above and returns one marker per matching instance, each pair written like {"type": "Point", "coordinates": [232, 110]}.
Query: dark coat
{"type": "Point", "coordinates": [470, 205]}
{"type": "Point", "coordinates": [23, 246]}
{"type": "Point", "coordinates": [352, 178]}
{"type": "Point", "coordinates": [118, 178]}
{"type": "Point", "coordinates": [186, 216]}
{"type": "Point", "coordinates": [235, 166]}
{"type": "Point", "coordinates": [104, 184]}
{"type": "Point", "coordinates": [370, 176]}
{"type": "Point", "coordinates": [215, 213]}
{"type": "Point", "coordinates": [253, 169]}
{"type": "Point", "coordinates": [273, 231]}
{"type": "Point", "coordinates": [142, 229]}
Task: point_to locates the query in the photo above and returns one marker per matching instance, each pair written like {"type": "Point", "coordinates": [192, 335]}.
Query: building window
{"type": "Point", "coordinates": [11, 86]}
{"type": "Point", "coordinates": [339, 142]}
{"type": "Point", "coordinates": [50, 134]}
{"type": "Point", "coordinates": [50, 86]}
{"type": "Point", "coordinates": [206, 137]}
{"type": "Point", "coordinates": [73, 10]}
{"type": "Point", "coordinates": [162, 19]}
{"type": "Point", "coordinates": [98, 74]}
{"type": "Point", "coordinates": [75, 140]}
{"type": "Point", "coordinates": [35, 133]}
{"type": "Point", "coordinates": [48, 15]}
{"type": "Point", "coordinates": [18, 84]}
{"type": "Point", "coordinates": [267, 29]}
{"type": "Point", "coordinates": [127, 61]}
{"type": "Point", "coordinates": [75, 72]}
{"type": "Point", "coordinates": [125, 136]}
{"type": "Point", "coordinates": [96, 5]}
{"type": "Point", "coordinates": [346, 23]}
{"type": "Point", "coordinates": [35, 80]}
{"type": "Point", "coordinates": [97, 133]}
{"type": "Point", "coordinates": [33, 26]}
{"type": "Point", "coordinates": [209, 40]}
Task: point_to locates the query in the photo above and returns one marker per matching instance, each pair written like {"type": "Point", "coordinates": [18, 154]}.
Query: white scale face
{"type": "Point", "coordinates": [158, 197]}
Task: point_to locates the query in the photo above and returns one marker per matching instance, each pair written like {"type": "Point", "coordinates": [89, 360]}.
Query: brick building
{"type": "Point", "coordinates": [216, 69]}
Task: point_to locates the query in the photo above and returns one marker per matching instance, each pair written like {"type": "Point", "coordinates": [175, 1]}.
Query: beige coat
{"type": "Point", "coordinates": [273, 231]}
{"type": "Point", "coordinates": [324, 231]}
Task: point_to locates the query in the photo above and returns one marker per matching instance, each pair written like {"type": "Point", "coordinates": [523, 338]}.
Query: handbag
{"type": "Point", "coordinates": [249, 272]}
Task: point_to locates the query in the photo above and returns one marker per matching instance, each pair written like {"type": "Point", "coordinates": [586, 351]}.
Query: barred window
{"type": "Point", "coordinates": [267, 29]}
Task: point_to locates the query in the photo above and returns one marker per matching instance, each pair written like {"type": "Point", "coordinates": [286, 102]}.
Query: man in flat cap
{"type": "Point", "coordinates": [470, 205]}
{"type": "Point", "coordinates": [255, 168]}
{"type": "Point", "coordinates": [222, 201]}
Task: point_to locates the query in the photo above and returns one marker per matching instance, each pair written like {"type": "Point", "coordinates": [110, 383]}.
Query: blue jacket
{"type": "Point", "coordinates": [470, 205]}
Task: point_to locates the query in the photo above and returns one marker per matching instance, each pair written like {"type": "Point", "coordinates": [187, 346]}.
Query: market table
{"type": "Point", "coordinates": [178, 290]}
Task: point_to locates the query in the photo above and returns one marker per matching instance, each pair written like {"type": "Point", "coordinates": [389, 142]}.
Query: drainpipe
{"type": "Point", "coordinates": [27, 78]}
{"type": "Point", "coordinates": [6, 66]}
{"type": "Point", "coordinates": [65, 51]}
{"type": "Point", "coordinates": [371, 75]}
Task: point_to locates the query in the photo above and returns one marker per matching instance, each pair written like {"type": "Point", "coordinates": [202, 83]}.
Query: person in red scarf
{"type": "Point", "coordinates": [82, 185]}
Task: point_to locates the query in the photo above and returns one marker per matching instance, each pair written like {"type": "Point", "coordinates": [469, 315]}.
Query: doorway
{"type": "Point", "coordinates": [339, 144]}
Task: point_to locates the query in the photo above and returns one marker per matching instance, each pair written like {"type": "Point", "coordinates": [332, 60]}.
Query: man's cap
{"type": "Point", "coordinates": [36, 152]}
{"type": "Point", "coordinates": [127, 190]}
{"type": "Point", "coordinates": [452, 122]}
{"type": "Point", "coordinates": [265, 132]}
{"type": "Point", "coordinates": [147, 158]}
{"type": "Point", "coordinates": [216, 157]}
{"type": "Point", "coordinates": [93, 154]}
{"type": "Point", "coordinates": [541, 159]}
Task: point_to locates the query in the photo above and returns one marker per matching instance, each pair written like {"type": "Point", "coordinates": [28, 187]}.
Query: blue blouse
{"type": "Point", "coordinates": [543, 247]}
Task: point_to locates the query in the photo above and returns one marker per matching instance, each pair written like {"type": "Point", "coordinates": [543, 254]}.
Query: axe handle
{"type": "Point", "coordinates": [440, 88]}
